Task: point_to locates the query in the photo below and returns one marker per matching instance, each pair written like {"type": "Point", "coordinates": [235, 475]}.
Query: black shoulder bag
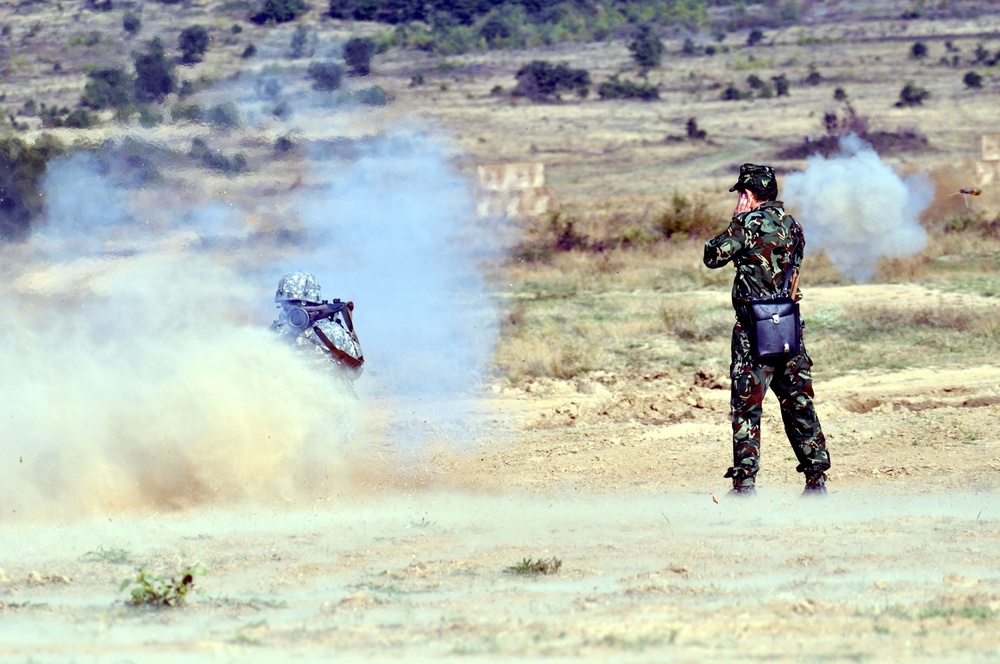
{"type": "Point", "coordinates": [774, 324]}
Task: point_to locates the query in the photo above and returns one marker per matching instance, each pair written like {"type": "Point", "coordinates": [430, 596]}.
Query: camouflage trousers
{"type": "Point", "coordinates": [791, 382]}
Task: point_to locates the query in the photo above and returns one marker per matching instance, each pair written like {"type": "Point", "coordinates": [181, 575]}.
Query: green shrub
{"type": "Point", "coordinates": [280, 11]}
{"type": "Point", "coordinates": [187, 112]}
{"type": "Point", "coordinates": [646, 48]}
{"type": "Point", "coordinates": [225, 115]}
{"type": "Point", "coordinates": [687, 218]}
{"type": "Point", "coordinates": [131, 22]}
{"type": "Point", "coordinates": [918, 50]}
{"type": "Point", "coordinates": [79, 119]}
{"type": "Point", "coordinates": [972, 80]}
{"type": "Point", "coordinates": [108, 88]}
{"type": "Point", "coordinates": [733, 93]}
{"type": "Point", "coordinates": [912, 95]}
{"type": "Point", "coordinates": [373, 96]}
{"type": "Point", "coordinates": [616, 88]}
{"type": "Point", "coordinates": [755, 37]}
{"type": "Point", "coordinates": [21, 168]}
{"type": "Point", "coordinates": [154, 73]}
{"type": "Point", "coordinates": [192, 43]}
{"type": "Point", "coordinates": [358, 52]}
{"type": "Point", "coordinates": [146, 589]}
{"type": "Point", "coordinates": [781, 85]}
{"type": "Point", "coordinates": [693, 132]}
{"type": "Point", "coordinates": [249, 51]}
{"type": "Point", "coordinates": [326, 76]}
{"type": "Point", "coordinates": [541, 80]}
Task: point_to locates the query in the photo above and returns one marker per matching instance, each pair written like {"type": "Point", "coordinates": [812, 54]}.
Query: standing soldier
{"type": "Point", "coordinates": [764, 242]}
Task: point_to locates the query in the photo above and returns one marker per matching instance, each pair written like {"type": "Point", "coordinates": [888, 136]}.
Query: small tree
{"type": "Point", "coordinates": [646, 48]}
{"type": "Point", "coordinates": [154, 73]}
{"type": "Point", "coordinates": [755, 37]}
{"type": "Point", "coordinates": [919, 50]}
{"type": "Point", "coordinates": [358, 52]}
{"type": "Point", "coordinates": [972, 80]}
{"type": "Point", "coordinates": [192, 43]}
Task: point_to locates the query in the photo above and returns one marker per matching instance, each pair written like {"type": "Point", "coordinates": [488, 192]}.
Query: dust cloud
{"type": "Point", "coordinates": [857, 209]}
{"type": "Point", "coordinates": [138, 371]}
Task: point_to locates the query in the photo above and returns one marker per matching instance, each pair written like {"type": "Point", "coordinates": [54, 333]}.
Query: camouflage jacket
{"type": "Point", "coordinates": [328, 340]}
{"type": "Point", "coordinates": [761, 243]}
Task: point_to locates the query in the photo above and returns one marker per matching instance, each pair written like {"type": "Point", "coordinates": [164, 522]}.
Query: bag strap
{"type": "Point", "coordinates": [788, 270]}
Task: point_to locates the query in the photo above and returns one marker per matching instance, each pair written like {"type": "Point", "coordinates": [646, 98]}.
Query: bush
{"type": "Point", "coordinates": [192, 43]}
{"type": "Point", "coordinates": [249, 51]}
{"type": "Point", "coordinates": [226, 116]}
{"type": "Point", "coordinates": [972, 80]}
{"type": "Point", "coordinates": [131, 22]}
{"type": "Point", "coordinates": [912, 95]}
{"type": "Point", "coordinates": [693, 132]}
{"type": "Point", "coordinates": [755, 37]}
{"type": "Point", "coordinates": [79, 119]}
{"type": "Point", "coordinates": [687, 218]}
{"type": "Point", "coordinates": [373, 96]}
{"type": "Point", "coordinates": [326, 75]}
{"type": "Point", "coordinates": [541, 80]}
{"type": "Point", "coordinates": [108, 88]}
{"type": "Point", "coordinates": [358, 52]}
{"type": "Point", "coordinates": [154, 73]}
{"type": "Point", "coordinates": [733, 93]}
{"type": "Point", "coordinates": [919, 50]}
{"type": "Point", "coordinates": [21, 167]}
{"type": "Point", "coordinates": [615, 88]}
{"type": "Point", "coordinates": [646, 48]}
{"type": "Point", "coordinates": [781, 85]}
{"type": "Point", "coordinates": [280, 11]}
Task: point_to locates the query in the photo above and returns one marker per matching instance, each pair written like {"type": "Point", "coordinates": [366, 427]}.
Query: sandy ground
{"type": "Point", "coordinates": [616, 477]}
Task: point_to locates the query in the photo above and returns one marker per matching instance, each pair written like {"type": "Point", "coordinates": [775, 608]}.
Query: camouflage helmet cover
{"type": "Point", "coordinates": [300, 286]}
{"type": "Point", "coordinates": [759, 180]}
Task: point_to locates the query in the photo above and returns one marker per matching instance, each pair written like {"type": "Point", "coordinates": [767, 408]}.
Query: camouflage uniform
{"type": "Point", "coordinates": [328, 339]}
{"type": "Point", "coordinates": [762, 244]}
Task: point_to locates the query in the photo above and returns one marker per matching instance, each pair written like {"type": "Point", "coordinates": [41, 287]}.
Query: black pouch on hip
{"type": "Point", "coordinates": [774, 327]}
{"type": "Point", "coordinates": [774, 324]}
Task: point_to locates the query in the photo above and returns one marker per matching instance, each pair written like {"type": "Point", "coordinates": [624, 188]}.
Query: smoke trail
{"type": "Point", "coordinates": [857, 210]}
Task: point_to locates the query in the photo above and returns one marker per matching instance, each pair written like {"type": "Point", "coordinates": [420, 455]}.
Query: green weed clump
{"type": "Point", "coordinates": [159, 590]}
{"type": "Point", "coordinates": [534, 567]}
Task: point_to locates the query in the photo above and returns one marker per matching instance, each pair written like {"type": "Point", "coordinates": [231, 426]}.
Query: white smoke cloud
{"type": "Point", "coordinates": [857, 209]}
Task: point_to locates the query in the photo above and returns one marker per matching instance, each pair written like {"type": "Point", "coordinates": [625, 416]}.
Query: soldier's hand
{"type": "Point", "coordinates": [743, 204]}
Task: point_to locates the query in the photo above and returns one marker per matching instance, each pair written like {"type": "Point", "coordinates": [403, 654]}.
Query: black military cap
{"type": "Point", "coordinates": [755, 178]}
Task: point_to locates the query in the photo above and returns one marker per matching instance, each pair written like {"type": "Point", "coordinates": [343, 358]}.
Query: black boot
{"type": "Point", "coordinates": [815, 485]}
{"type": "Point", "coordinates": [746, 491]}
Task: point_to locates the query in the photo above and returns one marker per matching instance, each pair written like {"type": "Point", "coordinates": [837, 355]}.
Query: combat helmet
{"type": "Point", "coordinates": [298, 287]}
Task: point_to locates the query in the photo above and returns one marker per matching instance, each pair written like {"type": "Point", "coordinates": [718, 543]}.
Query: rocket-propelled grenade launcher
{"type": "Point", "coordinates": [302, 316]}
